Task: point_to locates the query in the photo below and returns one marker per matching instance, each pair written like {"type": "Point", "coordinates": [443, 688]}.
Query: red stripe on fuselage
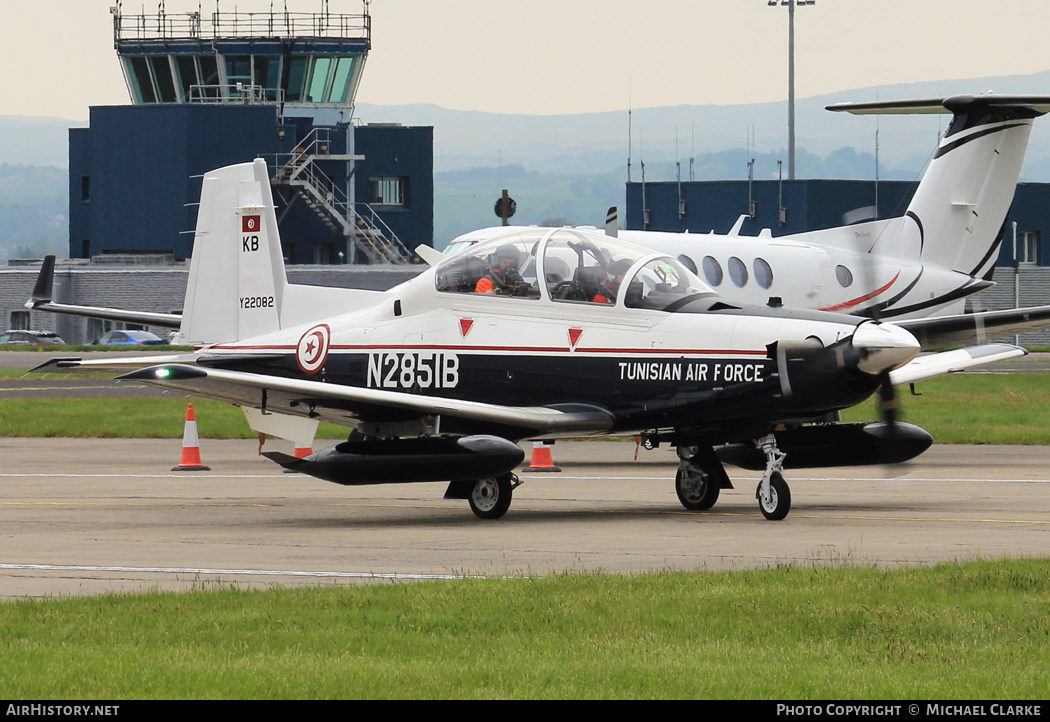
{"type": "Point", "coordinates": [861, 299]}
{"type": "Point", "coordinates": [510, 349]}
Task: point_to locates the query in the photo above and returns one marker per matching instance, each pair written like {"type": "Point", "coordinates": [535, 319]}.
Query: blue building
{"type": "Point", "coordinates": [209, 91]}
{"type": "Point", "coordinates": [787, 207]}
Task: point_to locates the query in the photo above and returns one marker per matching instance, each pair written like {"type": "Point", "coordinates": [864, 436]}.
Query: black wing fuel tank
{"type": "Point", "coordinates": [393, 461]}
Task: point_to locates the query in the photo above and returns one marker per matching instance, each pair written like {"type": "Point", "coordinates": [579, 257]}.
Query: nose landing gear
{"type": "Point", "coordinates": [773, 494]}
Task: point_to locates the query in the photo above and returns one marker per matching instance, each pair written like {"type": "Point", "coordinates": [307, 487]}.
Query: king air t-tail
{"type": "Point", "coordinates": [541, 333]}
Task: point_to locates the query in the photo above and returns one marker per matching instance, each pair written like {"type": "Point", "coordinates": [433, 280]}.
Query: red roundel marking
{"type": "Point", "coordinates": [312, 350]}
{"type": "Point", "coordinates": [250, 224]}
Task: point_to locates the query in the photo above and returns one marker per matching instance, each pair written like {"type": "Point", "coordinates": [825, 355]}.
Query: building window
{"type": "Point", "coordinates": [387, 190]}
{"type": "Point", "coordinates": [1028, 247]}
{"type": "Point", "coordinates": [19, 320]}
{"type": "Point", "coordinates": [85, 188]}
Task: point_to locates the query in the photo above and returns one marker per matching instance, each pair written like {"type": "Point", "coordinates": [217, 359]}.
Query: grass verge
{"type": "Point", "coordinates": [959, 631]}
{"type": "Point", "coordinates": [960, 409]}
{"type": "Point", "coordinates": [975, 408]}
{"type": "Point", "coordinates": [128, 418]}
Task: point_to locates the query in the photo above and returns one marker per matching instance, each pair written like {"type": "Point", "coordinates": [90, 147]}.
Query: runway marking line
{"type": "Point", "coordinates": [232, 572]}
{"type": "Point", "coordinates": [741, 479]}
{"type": "Point", "coordinates": [456, 507]}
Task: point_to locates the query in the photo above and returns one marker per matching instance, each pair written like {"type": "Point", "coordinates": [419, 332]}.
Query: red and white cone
{"type": "Point", "coordinates": [301, 452]}
{"type": "Point", "coordinates": [541, 457]}
{"type": "Point", "coordinates": [191, 446]}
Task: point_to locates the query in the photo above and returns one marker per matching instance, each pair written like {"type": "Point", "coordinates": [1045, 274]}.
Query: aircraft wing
{"type": "Point", "coordinates": [930, 366]}
{"type": "Point", "coordinates": [940, 331]}
{"type": "Point", "coordinates": [351, 404]}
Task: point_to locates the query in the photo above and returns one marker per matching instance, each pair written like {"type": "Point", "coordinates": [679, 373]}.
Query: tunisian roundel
{"type": "Point", "coordinates": [312, 350]}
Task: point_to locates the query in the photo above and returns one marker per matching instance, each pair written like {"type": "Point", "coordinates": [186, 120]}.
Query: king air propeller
{"type": "Point", "coordinates": [887, 393]}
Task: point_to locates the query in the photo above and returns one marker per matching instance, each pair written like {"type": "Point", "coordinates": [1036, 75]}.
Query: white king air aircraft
{"type": "Point", "coordinates": [582, 335]}
{"type": "Point", "coordinates": [925, 262]}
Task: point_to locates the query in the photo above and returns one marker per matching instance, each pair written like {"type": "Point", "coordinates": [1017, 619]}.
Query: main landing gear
{"type": "Point", "coordinates": [490, 498]}
{"type": "Point", "coordinates": [697, 482]}
{"type": "Point", "coordinates": [700, 477]}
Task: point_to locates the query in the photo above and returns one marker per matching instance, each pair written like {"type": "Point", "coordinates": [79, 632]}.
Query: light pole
{"type": "Point", "coordinates": [791, 76]}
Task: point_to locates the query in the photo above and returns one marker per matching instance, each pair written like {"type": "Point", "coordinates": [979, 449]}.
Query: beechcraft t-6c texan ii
{"type": "Point", "coordinates": [581, 335]}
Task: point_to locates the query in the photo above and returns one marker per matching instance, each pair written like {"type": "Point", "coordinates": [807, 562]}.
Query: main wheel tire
{"type": "Point", "coordinates": [491, 497]}
{"type": "Point", "coordinates": [696, 489]}
{"type": "Point", "coordinates": [779, 503]}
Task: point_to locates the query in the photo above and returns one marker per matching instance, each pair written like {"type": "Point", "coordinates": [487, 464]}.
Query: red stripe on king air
{"type": "Point", "coordinates": [861, 299]}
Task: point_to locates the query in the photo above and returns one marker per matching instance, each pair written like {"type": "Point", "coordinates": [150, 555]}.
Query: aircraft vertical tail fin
{"type": "Point", "coordinates": [237, 278]}
{"type": "Point", "coordinates": [957, 215]}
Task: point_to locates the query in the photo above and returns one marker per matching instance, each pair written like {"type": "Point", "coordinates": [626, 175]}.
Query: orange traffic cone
{"type": "Point", "coordinates": [301, 452]}
{"type": "Point", "coordinates": [541, 457]}
{"type": "Point", "coordinates": [191, 446]}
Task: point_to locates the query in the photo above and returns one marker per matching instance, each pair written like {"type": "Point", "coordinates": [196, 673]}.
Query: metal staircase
{"type": "Point", "coordinates": [364, 230]}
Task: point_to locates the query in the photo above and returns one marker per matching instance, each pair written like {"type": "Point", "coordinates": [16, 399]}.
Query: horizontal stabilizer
{"type": "Point", "coordinates": [951, 362]}
{"type": "Point", "coordinates": [1026, 106]}
{"type": "Point", "coordinates": [43, 290]}
{"type": "Point", "coordinates": [940, 331]}
{"type": "Point", "coordinates": [111, 364]}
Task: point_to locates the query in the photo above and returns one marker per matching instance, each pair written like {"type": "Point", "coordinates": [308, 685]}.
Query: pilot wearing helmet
{"type": "Point", "coordinates": [502, 278]}
{"type": "Point", "coordinates": [617, 270]}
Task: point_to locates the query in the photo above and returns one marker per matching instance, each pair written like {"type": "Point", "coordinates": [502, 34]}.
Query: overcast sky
{"type": "Point", "coordinates": [569, 56]}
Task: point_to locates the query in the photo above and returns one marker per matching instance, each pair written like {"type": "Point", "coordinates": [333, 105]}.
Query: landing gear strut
{"type": "Point", "coordinates": [774, 496]}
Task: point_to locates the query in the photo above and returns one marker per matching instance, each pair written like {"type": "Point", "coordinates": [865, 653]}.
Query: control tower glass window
{"type": "Point", "coordinates": [210, 76]}
{"type": "Point", "coordinates": [267, 70]}
{"type": "Point", "coordinates": [187, 68]}
{"type": "Point", "coordinates": [319, 80]}
{"type": "Point", "coordinates": [344, 70]}
{"type": "Point", "coordinates": [142, 81]}
{"type": "Point", "coordinates": [296, 78]}
{"type": "Point", "coordinates": [239, 69]}
{"type": "Point", "coordinates": [165, 83]}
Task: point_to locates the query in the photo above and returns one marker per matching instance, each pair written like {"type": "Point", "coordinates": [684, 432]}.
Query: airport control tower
{"type": "Point", "coordinates": [210, 89]}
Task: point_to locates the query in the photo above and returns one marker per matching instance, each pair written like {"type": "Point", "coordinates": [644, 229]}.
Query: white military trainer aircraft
{"type": "Point", "coordinates": [536, 333]}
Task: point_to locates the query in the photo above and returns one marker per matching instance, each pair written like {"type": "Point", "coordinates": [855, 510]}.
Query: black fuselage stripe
{"type": "Point", "coordinates": [949, 147]}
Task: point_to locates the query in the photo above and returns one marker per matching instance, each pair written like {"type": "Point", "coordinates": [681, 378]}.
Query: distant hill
{"type": "Point", "coordinates": [35, 141]}
{"type": "Point", "coordinates": [593, 142]}
{"type": "Point", "coordinates": [570, 167]}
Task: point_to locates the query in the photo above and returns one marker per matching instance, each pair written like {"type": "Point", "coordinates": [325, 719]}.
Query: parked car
{"type": "Point", "coordinates": [130, 338]}
{"type": "Point", "coordinates": [31, 338]}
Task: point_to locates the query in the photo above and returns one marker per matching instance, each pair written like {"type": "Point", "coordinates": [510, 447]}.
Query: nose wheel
{"type": "Point", "coordinates": [777, 503]}
{"type": "Point", "coordinates": [774, 496]}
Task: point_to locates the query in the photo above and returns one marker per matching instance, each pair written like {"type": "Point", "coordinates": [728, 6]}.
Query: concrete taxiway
{"type": "Point", "coordinates": [89, 516]}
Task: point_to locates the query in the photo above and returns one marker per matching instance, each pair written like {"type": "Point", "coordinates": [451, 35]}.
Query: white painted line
{"type": "Point", "coordinates": [742, 479]}
{"type": "Point", "coordinates": [231, 572]}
